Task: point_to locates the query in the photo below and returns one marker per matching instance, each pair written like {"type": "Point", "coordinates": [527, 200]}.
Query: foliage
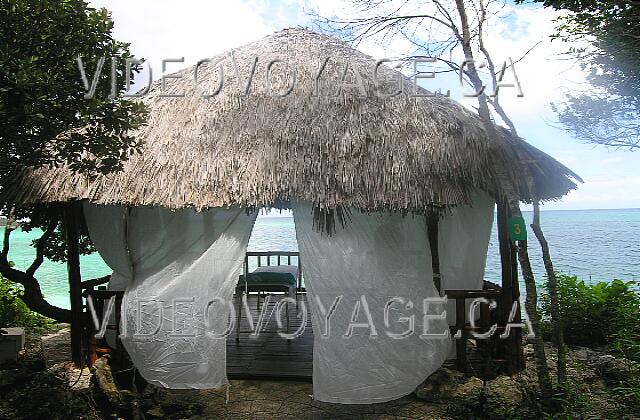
{"type": "Point", "coordinates": [14, 312]}
{"type": "Point", "coordinates": [610, 113]}
{"type": "Point", "coordinates": [629, 391]}
{"type": "Point", "coordinates": [55, 248]}
{"type": "Point", "coordinates": [42, 93]}
{"type": "Point", "coordinates": [45, 117]}
{"type": "Point", "coordinates": [599, 314]}
{"type": "Point", "coordinates": [43, 395]}
{"type": "Point", "coordinates": [570, 402]}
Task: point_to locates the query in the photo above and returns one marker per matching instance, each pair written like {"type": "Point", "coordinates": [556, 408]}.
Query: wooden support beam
{"type": "Point", "coordinates": [119, 298]}
{"type": "Point", "coordinates": [472, 293]}
{"type": "Point", "coordinates": [461, 343]}
{"type": "Point", "coordinates": [460, 296]}
{"type": "Point", "coordinates": [432, 234]}
{"type": "Point", "coordinates": [512, 349]}
{"type": "Point", "coordinates": [517, 333]}
{"type": "Point", "coordinates": [299, 279]}
{"type": "Point", "coordinates": [505, 262]}
{"type": "Point", "coordinates": [75, 281]}
{"type": "Point", "coordinates": [90, 284]}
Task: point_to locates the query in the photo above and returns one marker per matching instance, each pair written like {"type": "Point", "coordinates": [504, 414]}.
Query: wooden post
{"type": "Point", "coordinates": [91, 342]}
{"type": "Point", "coordinates": [119, 298]}
{"type": "Point", "coordinates": [518, 350]}
{"type": "Point", "coordinates": [75, 282]}
{"type": "Point", "coordinates": [461, 343]}
{"type": "Point", "coordinates": [432, 233]}
{"type": "Point", "coordinates": [512, 346]}
{"type": "Point", "coordinates": [505, 262]}
{"type": "Point", "coordinates": [299, 278]}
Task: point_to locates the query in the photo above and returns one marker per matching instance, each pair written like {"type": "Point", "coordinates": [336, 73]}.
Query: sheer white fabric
{"type": "Point", "coordinates": [107, 228]}
{"type": "Point", "coordinates": [463, 239]}
{"type": "Point", "coordinates": [179, 267]}
{"type": "Point", "coordinates": [368, 262]}
{"type": "Point", "coordinates": [184, 268]}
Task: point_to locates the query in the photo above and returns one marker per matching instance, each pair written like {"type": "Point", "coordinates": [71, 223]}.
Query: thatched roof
{"type": "Point", "coordinates": [370, 152]}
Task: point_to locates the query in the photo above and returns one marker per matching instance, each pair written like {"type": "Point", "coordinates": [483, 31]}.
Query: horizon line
{"type": "Point", "coordinates": [290, 215]}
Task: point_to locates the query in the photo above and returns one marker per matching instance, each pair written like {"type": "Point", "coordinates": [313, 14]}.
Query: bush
{"type": "Point", "coordinates": [43, 395]}
{"type": "Point", "coordinates": [598, 314]}
{"type": "Point", "coordinates": [571, 402]}
{"type": "Point", "coordinates": [15, 313]}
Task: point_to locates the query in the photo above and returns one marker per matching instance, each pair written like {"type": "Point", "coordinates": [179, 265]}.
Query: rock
{"type": "Point", "coordinates": [11, 343]}
{"type": "Point", "coordinates": [469, 392]}
{"type": "Point", "coordinates": [105, 384]}
{"type": "Point", "coordinates": [616, 369]}
{"type": "Point", "coordinates": [503, 397]}
{"type": "Point", "coordinates": [451, 387]}
{"type": "Point", "coordinates": [133, 403]}
{"type": "Point", "coordinates": [182, 409]}
{"type": "Point", "coordinates": [12, 378]}
{"type": "Point", "coordinates": [437, 385]}
{"type": "Point", "coordinates": [76, 379]}
{"type": "Point", "coordinates": [528, 352]}
{"type": "Point", "coordinates": [155, 413]}
{"type": "Point", "coordinates": [583, 354]}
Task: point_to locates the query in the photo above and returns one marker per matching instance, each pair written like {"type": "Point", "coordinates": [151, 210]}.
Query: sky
{"type": "Point", "coordinates": [197, 29]}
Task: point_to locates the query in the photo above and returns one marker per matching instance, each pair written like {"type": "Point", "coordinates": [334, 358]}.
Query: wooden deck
{"type": "Point", "coordinates": [268, 355]}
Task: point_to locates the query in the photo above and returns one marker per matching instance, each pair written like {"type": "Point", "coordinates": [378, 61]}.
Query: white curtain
{"type": "Point", "coordinates": [463, 241]}
{"type": "Point", "coordinates": [175, 265]}
{"type": "Point", "coordinates": [179, 268]}
{"type": "Point", "coordinates": [107, 228]}
{"type": "Point", "coordinates": [369, 262]}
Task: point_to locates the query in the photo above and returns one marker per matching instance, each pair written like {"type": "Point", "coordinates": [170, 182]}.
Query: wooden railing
{"type": "Point", "coordinates": [98, 297]}
{"type": "Point", "coordinates": [269, 258]}
{"type": "Point", "coordinates": [460, 297]}
{"type": "Point", "coordinates": [279, 257]}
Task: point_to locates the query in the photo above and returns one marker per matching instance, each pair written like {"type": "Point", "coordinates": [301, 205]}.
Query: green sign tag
{"type": "Point", "coordinates": [517, 229]}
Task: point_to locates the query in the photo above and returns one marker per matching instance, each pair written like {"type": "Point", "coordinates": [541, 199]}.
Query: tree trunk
{"type": "Point", "coordinates": [556, 318]}
{"type": "Point", "coordinates": [32, 295]}
{"type": "Point", "coordinates": [106, 383]}
{"type": "Point", "coordinates": [544, 379]}
{"type": "Point", "coordinates": [123, 401]}
{"type": "Point", "coordinates": [531, 306]}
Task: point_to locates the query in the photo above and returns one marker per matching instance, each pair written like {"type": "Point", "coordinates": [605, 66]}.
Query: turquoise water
{"type": "Point", "coordinates": [52, 275]}
{"type": "Point", "coordinates": [595, 245]}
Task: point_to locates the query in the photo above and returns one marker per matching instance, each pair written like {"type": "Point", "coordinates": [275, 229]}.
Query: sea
{"type": "Point", "coordinates": [594, 245]}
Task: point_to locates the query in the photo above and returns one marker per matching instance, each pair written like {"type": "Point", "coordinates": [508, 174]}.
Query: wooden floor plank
{"type": "Point", "coordinates": [269, 355]}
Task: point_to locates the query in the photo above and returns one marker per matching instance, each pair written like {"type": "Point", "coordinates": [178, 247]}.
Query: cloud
{"type": "Point", "coordinates": [161, 29]}
{"type": "Point", "coordinates": [605, 192]}
{"type": "Point", "coordinates": [544, 77]}
{"type": "Point", "coordinates": [199, 29]}
{"type": "Point", "coordinates": [509, 34]}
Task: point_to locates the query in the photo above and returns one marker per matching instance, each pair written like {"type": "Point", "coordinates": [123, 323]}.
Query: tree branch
{"type": "Point", "coordinates": [32, 296]}
{"type": "Point", "coordinates": [10, 227]}
{"type": "Point", "coordinates": [37, 262]}
{"type": "Point", "coordinates": [556, 317]}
